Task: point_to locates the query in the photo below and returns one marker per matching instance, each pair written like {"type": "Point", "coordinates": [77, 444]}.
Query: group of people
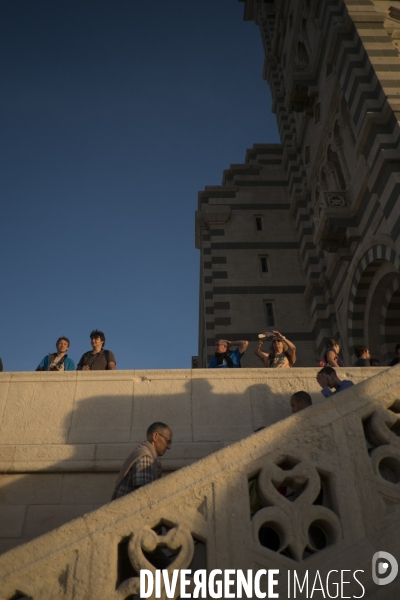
{"type": "Point", "coordinates": [282, 354]}
{"type": "Point", "coordinates": [142, 466]}
{"type": "Point", "coordinates": [96, 359]}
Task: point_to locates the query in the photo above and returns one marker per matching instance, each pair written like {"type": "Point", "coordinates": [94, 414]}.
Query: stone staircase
{"type": "Point", "coordinates": [340, 459]}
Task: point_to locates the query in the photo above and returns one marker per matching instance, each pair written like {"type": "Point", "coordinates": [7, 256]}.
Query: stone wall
{"type": "Point", "coordinates": [347, 447]}
{"type": "Point", "coordinates": [64, 436]}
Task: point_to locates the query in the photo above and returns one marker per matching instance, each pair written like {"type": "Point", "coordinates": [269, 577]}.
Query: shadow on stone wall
{"type": "Point", "coordinates": [43, 494]}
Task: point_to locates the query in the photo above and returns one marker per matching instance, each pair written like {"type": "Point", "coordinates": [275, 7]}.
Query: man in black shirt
{"type": "Point", "coordinates": [97, 359]}
{"type": "Point", "coordinates": [396, 359]}
{"type": "Point", "coordinates": [363, 357]}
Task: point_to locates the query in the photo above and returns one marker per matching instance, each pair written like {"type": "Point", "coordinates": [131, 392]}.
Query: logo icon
{"type": "Point", "coordinates": [381, 574]}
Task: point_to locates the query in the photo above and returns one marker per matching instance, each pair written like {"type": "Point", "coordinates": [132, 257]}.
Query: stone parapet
{"type": "Point", "coordinates": [341, 458]}
{"type": "Point", "coordinates": [64, 436]}
{"type": "Point", "coordinates": [89, 421]}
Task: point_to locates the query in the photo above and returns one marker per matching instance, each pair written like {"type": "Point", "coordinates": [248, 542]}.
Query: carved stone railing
{"type": "Point", "coordinates": [63, 436]}
{"type": "Point", "coordinates": [339, 465]}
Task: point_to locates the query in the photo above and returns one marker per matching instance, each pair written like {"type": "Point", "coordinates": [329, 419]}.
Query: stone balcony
{"type": "Point", "coordinates": [334, 221]}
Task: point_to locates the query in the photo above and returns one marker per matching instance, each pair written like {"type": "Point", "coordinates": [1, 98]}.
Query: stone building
{"type": "Point", "coordinates": [305, 235]}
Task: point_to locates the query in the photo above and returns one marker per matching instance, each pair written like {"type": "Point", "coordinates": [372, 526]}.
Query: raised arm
{"type": "Point", "coordinates": [241, 344]}
{"type": "Point", "coordinates": [291, 347]}
{"type": "Point", "coordinates": [263, 356]}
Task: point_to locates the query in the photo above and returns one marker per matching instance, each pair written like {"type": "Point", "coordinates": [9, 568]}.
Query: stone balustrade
{"type": "Point", "coordinates": [340, 457]}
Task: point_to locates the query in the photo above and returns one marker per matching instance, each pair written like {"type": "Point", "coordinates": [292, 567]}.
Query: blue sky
{"type": "Point", "coordinates": [114, 115]}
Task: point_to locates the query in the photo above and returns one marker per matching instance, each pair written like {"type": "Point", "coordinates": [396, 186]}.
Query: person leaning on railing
{"type": "Point", "coordinates": [97, 359]}
{"type": "Point", "coordinates": [330, 357]}
{"type": "Point", "coordinates": [282, 354]}
{"type": "Point", "coordinates": [363, 356]}
{"type": "Point", "coordinates": [58, 361]}
{"type": "Point", "coordinates": [225, 358]}
{"type": "Point", "coordinates": [328, 380]}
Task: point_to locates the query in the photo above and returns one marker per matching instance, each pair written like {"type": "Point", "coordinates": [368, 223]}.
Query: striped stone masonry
{"type": "Point", "coordinates": [333, 68]}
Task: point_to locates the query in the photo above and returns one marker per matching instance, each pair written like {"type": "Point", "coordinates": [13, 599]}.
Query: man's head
{"type": "Point", "coordinates": [221, 346]}
{"type": "Point", "coordinates": [299, 401]}
{"type": "Point", "coordinates": [62, 344]}
{"type": "Point", "coordinates": [160, 437]}
{"type": "Point", "coordinates": [327, 377]}
{"type": "Point", "coordinates": [362, 352]}
{"type": "Point", "coordinates": [97, 339]}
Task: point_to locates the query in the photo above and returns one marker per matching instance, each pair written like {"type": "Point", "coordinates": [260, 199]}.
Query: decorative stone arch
{"type": "Point", "coordinates": [374, 303]}
{"type": "Point", "coordinates": [390, 318]}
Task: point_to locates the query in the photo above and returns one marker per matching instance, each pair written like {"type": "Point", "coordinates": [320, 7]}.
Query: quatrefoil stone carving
{"type": "Point", "coordinates": [379, 427]}
{"type": "Point", "coordinates": [379, 433]}
{"type": "Point", "coordinates": [292, 520]}
{"type": "Point", "coordinates": [148, 540]}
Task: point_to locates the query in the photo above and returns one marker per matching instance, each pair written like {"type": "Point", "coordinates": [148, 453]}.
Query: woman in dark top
{"type": "Point", "coordinates": [331, 354]}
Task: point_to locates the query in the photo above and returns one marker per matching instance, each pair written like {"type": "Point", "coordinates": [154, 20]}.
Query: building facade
{"type": "Point", "coordinates": [306, 234]}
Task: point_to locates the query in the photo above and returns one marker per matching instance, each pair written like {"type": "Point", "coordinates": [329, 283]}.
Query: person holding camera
{"type": "Point", "coordinates": [282, 354]}
{"type": "Point", "coordinates": [59, 361]}
{"type": "Point", "coordinates": [97, 359]}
